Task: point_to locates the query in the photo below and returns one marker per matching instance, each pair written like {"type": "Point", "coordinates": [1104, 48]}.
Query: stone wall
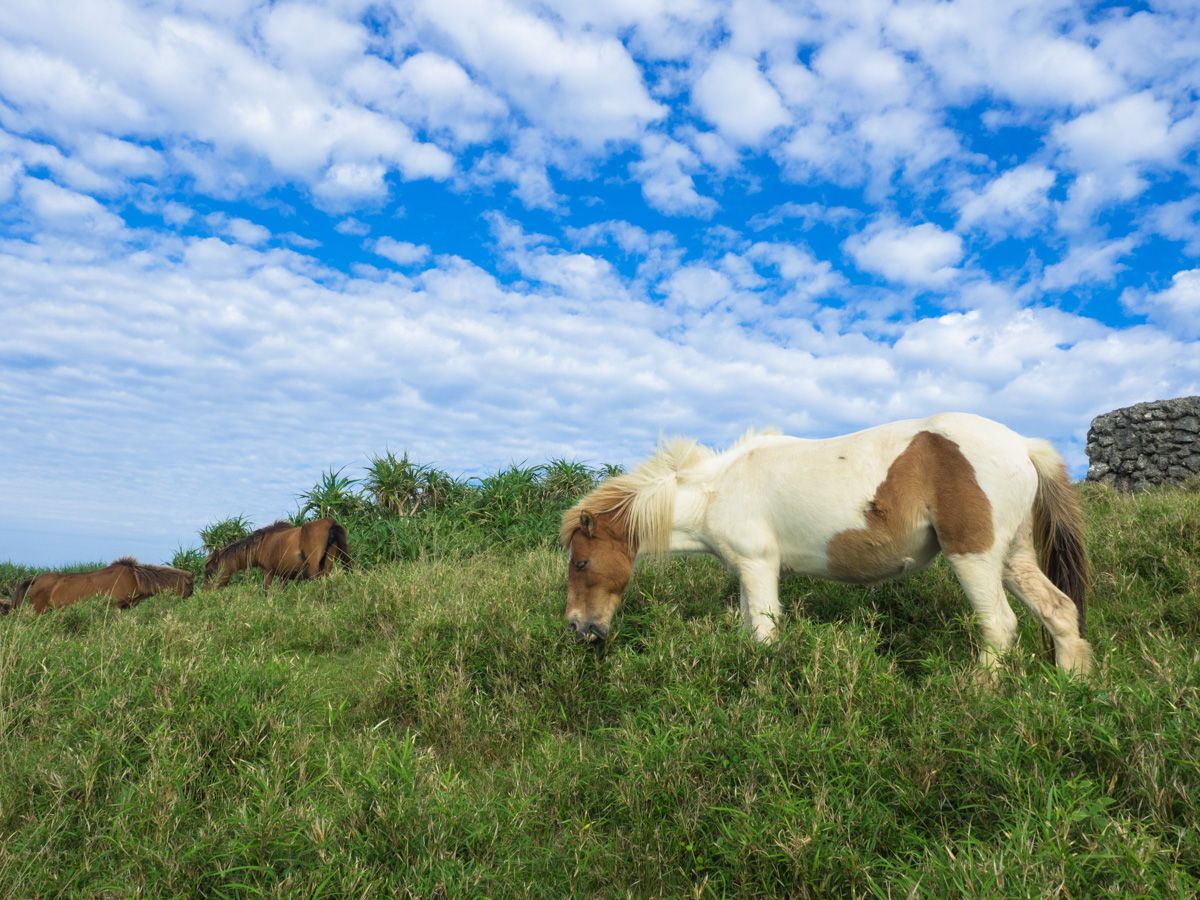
{"type": "Point", "coordinates": [1145, 444]}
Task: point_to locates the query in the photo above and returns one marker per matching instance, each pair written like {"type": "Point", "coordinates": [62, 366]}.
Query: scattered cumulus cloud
{"type": "Point", "coordinates": [402, 253]}
{"type": "Point", "coordinates": [735, 96]}
{"type": "Point", "coordinates": [351, 225]}
{"type": "Point", "coordinates": [1089, 264]}
{"type": "Point", "coordinates": [1015, 203]}
{"type": "Point", "coordinates": [665, 172]}
{"type": "Point", "coordinates": [920, 255]}
{"type": "Point", "coordinates": [1176, 308]}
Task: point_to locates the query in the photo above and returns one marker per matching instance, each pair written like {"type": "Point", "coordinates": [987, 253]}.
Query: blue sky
{"type": "Point", "coordinates": [242, 243]}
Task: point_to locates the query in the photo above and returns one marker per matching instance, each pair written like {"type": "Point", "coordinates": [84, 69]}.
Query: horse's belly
{"type": "Point", "coordinates": [863, 558]}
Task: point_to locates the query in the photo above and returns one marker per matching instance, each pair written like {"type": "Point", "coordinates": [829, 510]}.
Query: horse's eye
{"type": "Point", "coordinates": [582, 564]}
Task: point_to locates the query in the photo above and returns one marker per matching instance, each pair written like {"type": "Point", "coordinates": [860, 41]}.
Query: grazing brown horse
{"type": "Point", "coordinates": [127, 581]}
{"type": "Point", "coordinates": [283, 549]}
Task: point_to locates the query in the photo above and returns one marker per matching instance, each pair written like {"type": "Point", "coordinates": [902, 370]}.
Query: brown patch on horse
{"type": "Point", "coordinates": [931, 481]}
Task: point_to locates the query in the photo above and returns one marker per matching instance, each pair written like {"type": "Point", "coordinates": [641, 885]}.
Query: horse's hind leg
{"type": "Point", "coordinates": [314, 564]}
{"type": "Point", "coordinates": [1053, 608]}
{"type": "Point", "coordinates": [980, 577]}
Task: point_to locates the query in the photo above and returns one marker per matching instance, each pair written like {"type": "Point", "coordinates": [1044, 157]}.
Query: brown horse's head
{"type": "Point", "coordinates": [187, 585]}
{"type": "Point", "coordinates": [212, 567]}
{"type": "Point", "coordinates": [600, 564]}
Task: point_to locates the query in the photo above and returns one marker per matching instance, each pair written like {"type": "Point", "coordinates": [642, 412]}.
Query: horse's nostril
{"type": "Point", "coordinates": [588, 632]}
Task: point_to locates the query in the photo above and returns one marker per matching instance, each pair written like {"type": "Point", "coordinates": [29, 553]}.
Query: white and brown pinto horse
{"type": "Point", "coordinates": [867, 507]}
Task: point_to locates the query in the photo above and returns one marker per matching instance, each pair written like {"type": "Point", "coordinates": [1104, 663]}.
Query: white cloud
{"type": "Point", "coordinates": [1013, 204]}
{"type": "Point", "coordinates": [922, 255]}
{"type": "Point", "coordinates": [1094, 263]}
{"type": "Point", "coordinates": [733, 95]}
{"type": "Point", "coordinates": [526, 167]}
{"type": "Point", "coordinates": [809, 214]}
{"type": "Point", "coordinates": [1028, 53]}
{"type": "Point", "coordinates": [11, 171]}
{"type": "Point", "coordinates": [124, 157]}
{"type": "Point", "coordinates": [177, 214]}
{"type": "Point", "coordinates": [857, 63]}
{"type": "Point", "coordinates": [1178, 220]}
{"type": "Point", "coordinates": [56, 96]}
{"type": "Point", "coordinates": [402, 253]}
{"type": "Point", "coordinates": [308, 37]}
{"type": "Point", "coordinates": [1131, 130]}
{"type": "Point", "coordinates": [243, 231]}
{"type": "Point", "coordinates": [69, 212]}
{"type": "Point", "coordinates": [1176, 309]}
{"type": "Point", "coordinates": [213, 100]}
{"type": "Point", "coordinates": [439, 94]}
{"type": "Point", "coordinates": [350, 225]}
{"type": "Point", "coordinates": [579, 86]}
{"type": "Point", "coordinates": [246, 232]}
{"type": "Point", "coordinates": [665, 174]}
{"type": "Point", "coordinates": [807, 276]}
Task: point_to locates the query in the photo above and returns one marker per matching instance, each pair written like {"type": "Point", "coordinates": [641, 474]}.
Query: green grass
{"type": "Point", "coordinates": [426, 729]}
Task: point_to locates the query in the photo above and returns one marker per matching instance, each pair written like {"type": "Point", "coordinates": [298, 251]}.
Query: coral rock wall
{"type": "Point", "coordinates": [1145, 444]}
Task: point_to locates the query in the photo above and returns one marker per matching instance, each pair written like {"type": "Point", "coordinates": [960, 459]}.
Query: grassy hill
{"type": "Point", "coordinates": [423, 727]}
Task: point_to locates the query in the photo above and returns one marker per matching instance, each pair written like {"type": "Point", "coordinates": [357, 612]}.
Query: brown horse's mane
{"type": "Point", "coordinates": [152, 579]}
{"type": "Point", "coordinates": [243, 547]}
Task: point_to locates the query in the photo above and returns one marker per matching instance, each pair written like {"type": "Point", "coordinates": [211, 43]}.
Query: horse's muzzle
{"type": "Point", "coordinates": [589, 632]}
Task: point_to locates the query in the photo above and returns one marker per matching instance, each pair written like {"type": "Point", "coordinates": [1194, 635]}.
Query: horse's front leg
{"type": "Point", "coordinates": [759, 597]}
{"type": "Point", "coordinates": [268, 576]}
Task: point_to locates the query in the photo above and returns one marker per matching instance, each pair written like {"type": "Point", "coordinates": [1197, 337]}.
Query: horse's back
{"type": "Point", "coordinates": [56, 590]}
{"type": "Point", "coordinates": [872, 504]}
{"type": "Point", "coordinates": [296, 551]}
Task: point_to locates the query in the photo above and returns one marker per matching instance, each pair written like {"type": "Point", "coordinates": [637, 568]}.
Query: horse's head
{"type": "Point", "coordinates": [212, 567]}
{"type": "Point", "coordinates": [188, 586]}
{"type": "Point", "coordinates": [600, 564]}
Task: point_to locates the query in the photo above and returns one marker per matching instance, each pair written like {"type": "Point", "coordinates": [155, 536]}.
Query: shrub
{"type": "Point", "coordinates": [333, 496]}
{"type": "Point", "coordinates": [190, 559]}
{"type": "Point", "coordinates": [225, 532]}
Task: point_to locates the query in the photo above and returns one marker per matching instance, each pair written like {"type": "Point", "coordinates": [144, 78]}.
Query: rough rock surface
{"type": "Point", "coordinates": [1145, 444]}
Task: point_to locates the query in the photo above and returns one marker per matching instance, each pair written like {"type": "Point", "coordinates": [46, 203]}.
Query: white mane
{"type": "Point", "coordinates": [645, 498]}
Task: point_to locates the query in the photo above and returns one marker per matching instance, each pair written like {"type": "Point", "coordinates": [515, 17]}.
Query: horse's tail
{"type": "Point", "coordinates": [20, 593]}
{"type": "Point", "coordinates": [338, 539]}
{"type": "Point", "coordinates": [1058, 526]}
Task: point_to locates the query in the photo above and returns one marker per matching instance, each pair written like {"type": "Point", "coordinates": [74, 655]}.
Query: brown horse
{"type": "Point", "coordinates": [128, 581]}
{"type": "Point", "coordinates": [283, 549]}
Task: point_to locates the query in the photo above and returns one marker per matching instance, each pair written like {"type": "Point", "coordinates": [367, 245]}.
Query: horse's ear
{"type": "Point", "coordinates": [587, 523]}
